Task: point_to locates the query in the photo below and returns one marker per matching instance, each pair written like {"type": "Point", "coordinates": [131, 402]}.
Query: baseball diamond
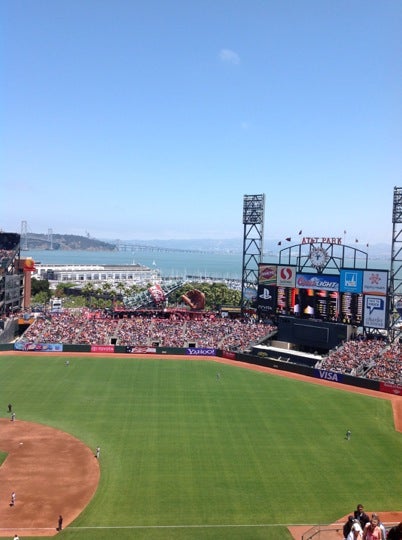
{"type": "Point", "coordinates": [63, 474]}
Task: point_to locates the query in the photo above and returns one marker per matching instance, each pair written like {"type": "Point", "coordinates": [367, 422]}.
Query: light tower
{"type": "Point", "coordinates": [395, 281]}
{"type": "Point", "coordinates": [253, 239]}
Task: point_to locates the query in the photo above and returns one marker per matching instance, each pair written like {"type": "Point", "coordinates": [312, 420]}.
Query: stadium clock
{"type": "Point", "coordinates": [318, 257]}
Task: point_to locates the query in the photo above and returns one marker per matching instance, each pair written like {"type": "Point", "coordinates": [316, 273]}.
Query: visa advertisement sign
{"type": "Point", "coordinates": [328, 375]}
{"type": "Point", "coordinates": [374, 311]}
{"type": "Point", "coordinates": [351, 281]}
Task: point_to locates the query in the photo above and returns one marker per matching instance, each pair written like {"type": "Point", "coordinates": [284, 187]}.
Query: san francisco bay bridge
{"type": "Point", "coordinates": [30, 240]}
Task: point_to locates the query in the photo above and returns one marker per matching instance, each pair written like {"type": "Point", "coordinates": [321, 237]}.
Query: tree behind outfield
{"type": "Point", "coordinates": [40, 291]}
{"type": "Point", "coordinates": [216, 294]}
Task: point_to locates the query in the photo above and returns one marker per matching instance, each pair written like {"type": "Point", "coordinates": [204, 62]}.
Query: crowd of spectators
{"type": "Point", "coordinates": [371, 358]}
{"type": "Point", "coordinates": [82, 327]}
{"type": "Point", "coordinates": [388, 367]}
{"type": "Point", "coordinates": [354, 356]}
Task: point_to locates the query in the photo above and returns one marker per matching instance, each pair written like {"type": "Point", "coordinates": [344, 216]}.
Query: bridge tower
{"type": "Point", "coordinates": [253, 241]}
{"type": "Point", "coordinates": [50, 238]}
{"type": "Point", "coordinates": [24, 235]}
{"type": "Point", "coordinates": [395, 282]}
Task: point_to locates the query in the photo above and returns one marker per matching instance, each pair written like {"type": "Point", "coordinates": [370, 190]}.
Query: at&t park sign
{"type": "Point", "coordinates": [322, 240]}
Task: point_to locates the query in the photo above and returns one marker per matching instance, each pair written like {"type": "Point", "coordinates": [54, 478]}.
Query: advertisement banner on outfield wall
{"type": "Point", "coordinates": [395, 389]}
{"type": "Point", "coordinates": [229, 355]}
{"type": "Point", "coordinates": [102, 348]}
{"type": "Point", "coordinates": [328, 375]}
{"type": "Point", "coordinates": [39, 347]}
{"type": "Point", "coordinates": [141, 350]}
{"type": "Point", "coordinates": [201, 351]}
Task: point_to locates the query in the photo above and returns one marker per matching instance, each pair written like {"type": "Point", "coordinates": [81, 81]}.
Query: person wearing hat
{"type": "Point", "coordinates": [372, 531]}
{"type": "Point", "coordinates": [356, 532]}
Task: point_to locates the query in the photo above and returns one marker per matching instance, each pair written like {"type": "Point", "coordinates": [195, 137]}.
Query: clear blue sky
{"type": "Point", "coordinates": [152, 119]}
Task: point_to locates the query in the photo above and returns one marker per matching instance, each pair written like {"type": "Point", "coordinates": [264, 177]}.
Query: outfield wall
{"type": "Point", "coordinates": [253, 359]}
{"type": "Point", "coordinates": [322, 374]}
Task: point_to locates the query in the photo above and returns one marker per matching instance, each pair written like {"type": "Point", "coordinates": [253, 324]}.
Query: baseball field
{"type": "Point", "coordinates": [192, 449]}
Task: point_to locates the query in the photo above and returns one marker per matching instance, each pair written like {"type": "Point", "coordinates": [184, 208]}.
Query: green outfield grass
{"type": "Point", "coordinates": [187, 456]}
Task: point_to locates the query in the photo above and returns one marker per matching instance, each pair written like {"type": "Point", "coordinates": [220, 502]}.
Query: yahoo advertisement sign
{"type": "Point", "coordinates": [201, 351]}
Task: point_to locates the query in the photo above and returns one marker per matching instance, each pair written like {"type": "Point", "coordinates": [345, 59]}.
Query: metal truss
{"type": "Point", "coordinates": [395, 281]}
{"type": "Point", "coordinates": [253, 241]}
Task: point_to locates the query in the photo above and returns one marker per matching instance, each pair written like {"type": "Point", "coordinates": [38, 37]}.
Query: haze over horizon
{"type": "Point", "coordinates": [153, 120]}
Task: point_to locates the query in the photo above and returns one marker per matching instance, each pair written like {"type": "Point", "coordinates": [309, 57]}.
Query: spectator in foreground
{"type": "Point", "coordinates": [356, 532]}
{"type": "Point", "coordinates": [372, 530]}
{"type": "Point", "coordinates": [395, 533]}
{"type": "Point", "coordinates": [381, 525]}
{"type": "Point", "coordinates": [361, 516]}
{"type": "Point", "coordinates": [348, 526]}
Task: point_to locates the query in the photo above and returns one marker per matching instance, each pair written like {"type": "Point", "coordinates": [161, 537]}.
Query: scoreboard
{"type": "Point", "coordinates": [319, 304]}
{"type": "Point", "coordinates": [352, 307]}
{"type": "Point", "coordinates": [356, 297]}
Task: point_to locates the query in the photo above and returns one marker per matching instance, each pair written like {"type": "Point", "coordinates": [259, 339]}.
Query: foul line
{"type": "Point", "coordinates": [216, 526]}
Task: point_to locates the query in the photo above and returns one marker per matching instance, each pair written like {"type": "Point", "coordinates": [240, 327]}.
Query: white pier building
{"type": "Point", "coordinates": [134, 274]}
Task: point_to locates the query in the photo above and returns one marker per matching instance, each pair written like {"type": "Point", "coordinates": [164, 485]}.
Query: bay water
{"type": "Point", "coordinates": [171, 264]}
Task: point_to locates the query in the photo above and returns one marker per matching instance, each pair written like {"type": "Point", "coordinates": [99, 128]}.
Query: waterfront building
{"type": "Point", "coordinates": [133, 274]}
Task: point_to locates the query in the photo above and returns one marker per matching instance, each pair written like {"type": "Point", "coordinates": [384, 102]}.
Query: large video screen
{"type": "Point", "coordinates": [332, 298]}
{"type": "Point", "coordinates": [320, 304]}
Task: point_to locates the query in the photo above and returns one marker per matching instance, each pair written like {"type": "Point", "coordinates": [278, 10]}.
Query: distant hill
{"type": "Point", "coordinates": [228, 245]}
{"type": "Point", "coordinates": [66, 242]}
{"type": "Point", "coordinates": [224, 245]}
{"type": "Point", "coordinates": [235, 245]}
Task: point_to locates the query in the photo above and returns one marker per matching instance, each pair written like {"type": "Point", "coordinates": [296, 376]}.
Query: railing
{"type": "Point", "coordinates": [324, 532]}
{"type": "Point", "coordinates": [332, 531]}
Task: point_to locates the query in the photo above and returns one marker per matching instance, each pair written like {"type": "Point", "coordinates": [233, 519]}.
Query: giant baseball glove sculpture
{"type": "Point", "coordinates": [195, 299]}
